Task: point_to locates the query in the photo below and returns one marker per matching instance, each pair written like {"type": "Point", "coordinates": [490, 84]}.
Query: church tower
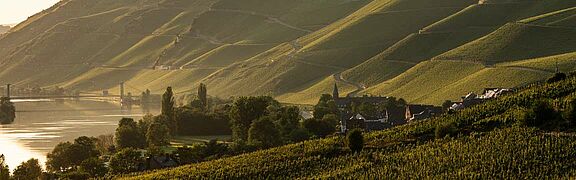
{"type": "Point", "coordinates": [335, 93]}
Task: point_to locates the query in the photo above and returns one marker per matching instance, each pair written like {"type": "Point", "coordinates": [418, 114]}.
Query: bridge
{"type": "Point", "coordinates": [121, 97]}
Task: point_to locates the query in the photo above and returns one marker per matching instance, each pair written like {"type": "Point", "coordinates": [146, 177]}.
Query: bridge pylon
{"type": "Point", "coordinates": [8, 90]}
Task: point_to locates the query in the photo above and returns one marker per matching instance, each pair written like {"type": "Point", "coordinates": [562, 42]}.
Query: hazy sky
{"type": "Point", "coordinates": [15, 11]}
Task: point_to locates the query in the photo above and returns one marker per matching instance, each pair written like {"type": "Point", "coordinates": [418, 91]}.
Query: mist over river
{"type": "Point", "coordinates": [41, 124]}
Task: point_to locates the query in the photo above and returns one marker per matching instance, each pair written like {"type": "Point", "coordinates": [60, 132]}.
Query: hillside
{"type": "Point", "coordinates": [497, 60]}
{"type": "Point", "coordinates": [293, 50]}
{"type": "Point", "coordinates": [494, 140]}
{"type": "Point", "coordinates": [4, 29]}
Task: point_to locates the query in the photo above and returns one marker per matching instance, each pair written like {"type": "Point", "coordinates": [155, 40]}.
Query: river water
{"type": "Point", "coordinates": [41, 124]}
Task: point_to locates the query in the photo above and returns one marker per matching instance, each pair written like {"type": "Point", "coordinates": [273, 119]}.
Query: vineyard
{"type": "Point", "coordinates": [488, 141]}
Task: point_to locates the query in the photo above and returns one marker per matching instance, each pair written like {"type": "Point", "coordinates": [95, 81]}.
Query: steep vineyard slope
{"type": "Point", "coordinates": [490, 141]}
{"type": "Point", "coordinates": [465, 26]}
{"type": "Point", "coordinates": [543, 46]}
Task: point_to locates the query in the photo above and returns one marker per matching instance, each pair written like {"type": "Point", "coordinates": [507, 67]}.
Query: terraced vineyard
{"type": "Point", "coordinates": [417, 50]}
{"type": "Point", "coordinates": [487, 141]}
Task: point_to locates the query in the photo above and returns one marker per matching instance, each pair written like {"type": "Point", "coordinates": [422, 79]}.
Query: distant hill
{"type": "Point", "coordinates": [4, 29]}
{"type": "Point", "coordinates": [294, 50]}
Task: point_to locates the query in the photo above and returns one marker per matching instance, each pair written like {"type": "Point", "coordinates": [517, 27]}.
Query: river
{"type": "Point", "coordinates": [41, 124]}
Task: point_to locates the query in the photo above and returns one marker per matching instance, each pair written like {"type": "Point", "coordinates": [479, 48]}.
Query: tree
{"type": "Point", "coordinates": [355, 140]}
{"type": "Point", "coordinates": [264, 133]}
{"type": "Point", "coordinates": [445, 129]}
{"type": "Point", "coordinates": [196, 122]}
{"type": "Point", "coordinates": [168, 110]}
{"type": "Point", "coordinates": [67, 156]}
{"type": "Point", "coordinates": [320, 128]}
{"type": "Point", "coordinates": [367, 109]}
{"type": "Point", "coordinates": [325, 105]}
{"type": "Point", "coordinates": [214, 148]}
{"type": "Point", "coordinates": [7, 111]}
{"type": "Point", "coordinates": [125, 161]}
{"type": "Point", "coordinates": [94, 167]}
{"type": "Point", "coordinates": [83, 148]}
{"type": "Point", "coordinates": [244, 111]}
{"type": "Point", "coordinates": [4, 170]}
{"type": "Point", "coordinates": [188, 155]}
{"type": "Point", "coordinates": [543, 112]}
{"type": "Point", "coordinates": [557, 77]}
{"type": "Point", "coordinates": [287, 119]}
{"type": "Point", "coordinates": [446, 105]}
{"type": "Point", "coordinates": [202, 93]}
{"type": "Point", "coordinates": [57, 160]}
{"type": "Point", "coordinates": [129, 135]}
{"type": "Point", "coordinates": [158, 134]}
{"type": "Point", "coordinates": [28, 170]}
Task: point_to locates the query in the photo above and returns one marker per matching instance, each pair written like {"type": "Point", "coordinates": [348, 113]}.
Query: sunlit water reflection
{"type": "Point", "coordinates": [41, 125]}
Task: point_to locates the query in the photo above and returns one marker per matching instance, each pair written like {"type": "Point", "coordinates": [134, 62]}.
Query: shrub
{"type": "Point", "coordinates": [445, 129]}
{"type": "Point", "coordinates": [355, 140]}
{"type": "Point", "coordinates": [570, 113]}
{"type": "Point", "coordinates": [126, 161]}
{"type": "Point", "coordinates": [557, 77]}
{"type": "Point", "coordinates": [28, 170]}
{"type": "Point", "coordinates": [543, 113]}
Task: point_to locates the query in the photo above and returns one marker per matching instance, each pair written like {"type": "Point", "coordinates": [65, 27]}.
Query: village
{"type": "Point", "coordinates": [388, 113]}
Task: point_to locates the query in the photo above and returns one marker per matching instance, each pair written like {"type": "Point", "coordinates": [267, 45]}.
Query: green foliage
{"type": "Point", "coordinates": [168, 111]}
{"type": "Point", "coordinates": [158, 134]}
{"type": "Point", "coordinates": [488, 141]}
{"type": "Point", "coordinates": [320, 127]}
{"type": "Point", "coordinates": [194, 122]}
{"type": "Point", "coordinates": [557, 77]}
{"type": "Point", "coordinates": [4, 170]}
{"type": "Point", "coordinates": [245, 110]}
{"type": "Point", "coordinates": [541, 112]}
{"type": "Point", "coordinates": [264, 133]}
{"type": "Point", "coordinates": [7, 111]}
{"type": "Point", "coordinates": [189, 155]}
{"type": "Point", "coordinates": [202, 96]}
{"type": "Point", "coordinates": [129, 134]}
{"type": "Point", "coordinates": [126, 161]}
{"type": "Point", "coordinates": [28, 170]}
{"type": "Point", "coordinates": [355, 140]}
{"type": "Point", "coordinates": [287, 120]}
{"type": "Point", "coordinates": [446, 105]}
{"type": "Point", "coordinates": [445, 129]}
{"type": "Point", "coordinates": [325, 105]}
{"type": "Point", "coordinates": [94, 167]}
{"type": "Point", "coordinates": [68, 156]}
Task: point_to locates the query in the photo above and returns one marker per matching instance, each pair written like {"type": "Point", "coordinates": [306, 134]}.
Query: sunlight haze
{"type": "Point", "coordinates": [16, 11]}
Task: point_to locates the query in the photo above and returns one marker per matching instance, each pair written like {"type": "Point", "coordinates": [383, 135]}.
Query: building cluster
{"type": "Point", "coordinates": [472, 99]}
{"type": "Point", "coordinates": [385, 118]}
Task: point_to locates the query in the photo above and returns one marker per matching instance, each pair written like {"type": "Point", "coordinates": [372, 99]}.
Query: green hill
{"type": "Point", "coordinates": [290, 49]}
{"type": "Point", "coordinates": [456, 30]}
{"type": "Point", "coordinates": [488, 141]}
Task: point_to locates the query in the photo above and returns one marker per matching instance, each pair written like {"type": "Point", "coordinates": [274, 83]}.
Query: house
{"type": "Point", "coordinates": [472, 99]}
{"type": "Point", "coordinates": [358, 121]}
{"type": "Point", "coordinates": [162, 67]}
{"type": "Point", "coordinates": [350, 120]}
{"type": "Point", "coordinates": [416, 112]}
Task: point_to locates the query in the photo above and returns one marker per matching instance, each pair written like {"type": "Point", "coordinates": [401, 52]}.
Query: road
{"type": "Point", "coordinates": [359, 87]}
